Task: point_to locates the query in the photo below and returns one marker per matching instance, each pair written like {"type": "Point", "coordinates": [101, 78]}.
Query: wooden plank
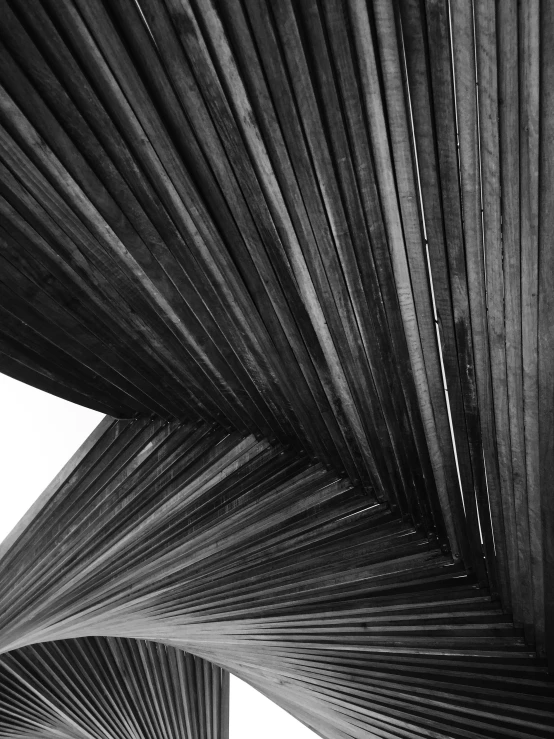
{"type": "Point", "coordinates": [508, 75]}
{"type": "Point", "coordinates": [463, 52]}
{"type": "Point", "coordinates": [489, 143]}
{"type": "Point", "coordinates": [546, 313]}
{"type": "Point", "coordinates": [529, 231]}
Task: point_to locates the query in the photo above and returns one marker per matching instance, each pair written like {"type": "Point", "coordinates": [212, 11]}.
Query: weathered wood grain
{"type": "Point", "coordinates": [111, 687]}
{"type": "Point", "coordinates": [305, 245]}
{"type": "Point", "coordinates": [268, 565]}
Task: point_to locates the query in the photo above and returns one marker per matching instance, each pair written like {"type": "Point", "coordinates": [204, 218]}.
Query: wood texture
{"type": "Point", "coordinates": [302, 250]}
{"type": "Point", "coordinates": [270, 566]}
{"type": "Point", "coordinates": [122, 688]}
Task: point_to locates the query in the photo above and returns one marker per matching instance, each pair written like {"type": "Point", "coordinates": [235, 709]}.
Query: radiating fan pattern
{"type": "Point", "coordinates": [119, 688]}
{"type": "Point", "coordinates": [299, 252]}
{"type": "Point", "coordinates": [272, 567]}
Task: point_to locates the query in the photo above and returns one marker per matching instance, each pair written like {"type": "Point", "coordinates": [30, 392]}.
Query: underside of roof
{"type": "Point", "coordinates": [121, 688]}
{"type": "Point", "coordinates": [299, 252]}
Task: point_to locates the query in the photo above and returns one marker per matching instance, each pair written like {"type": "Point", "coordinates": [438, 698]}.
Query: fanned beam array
{"type": "Point", "coordinates": [241, 212]}
{"type": "Point", "coordinates": [116, 688]}
{"type": "Point", "coordinates": [198, 246]}
{"type": "Point", "coordinates": [302, 250]}
{"type": "Point", "coordinates": [268, 565]}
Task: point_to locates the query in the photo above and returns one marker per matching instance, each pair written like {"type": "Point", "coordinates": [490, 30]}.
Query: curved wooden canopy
{"type": "Point", "coordinates": [120, 688]}
{"type": "Point", "coordinates": [303, 248]}
{"type": "Point", "coordinates": [272, 567]}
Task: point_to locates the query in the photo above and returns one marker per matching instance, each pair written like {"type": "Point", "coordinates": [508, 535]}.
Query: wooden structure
{"type": "Point", "coordinates": [122, 688]}
{"type": "Point", "coordinates": [276, 569]}
{"type": "Point", "coordinates": [301, 250]}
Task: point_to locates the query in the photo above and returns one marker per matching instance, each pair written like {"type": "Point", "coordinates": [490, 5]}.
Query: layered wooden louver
{"type": "Point", "coordinates": [313, 236]}
{"type": "Point", "coordinates": [117, 688]}
{"type": "Point", "coordinates": [273, 568]}
{"type": "Point", "coordinates": [187, 261]}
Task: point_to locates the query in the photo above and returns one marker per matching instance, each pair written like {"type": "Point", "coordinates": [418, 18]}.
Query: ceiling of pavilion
{"type": "Point", "coordinates": [292, 223]}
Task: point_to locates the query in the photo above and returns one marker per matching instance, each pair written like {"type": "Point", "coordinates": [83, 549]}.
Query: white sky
{"type": "Point", "coordinates": [38, 435]}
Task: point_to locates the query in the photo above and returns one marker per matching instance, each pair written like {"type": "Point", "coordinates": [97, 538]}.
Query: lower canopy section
{"type": "Point", "coordinates": [254, 558]}
{"type": "Point", "coordinates": [117, 688]}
